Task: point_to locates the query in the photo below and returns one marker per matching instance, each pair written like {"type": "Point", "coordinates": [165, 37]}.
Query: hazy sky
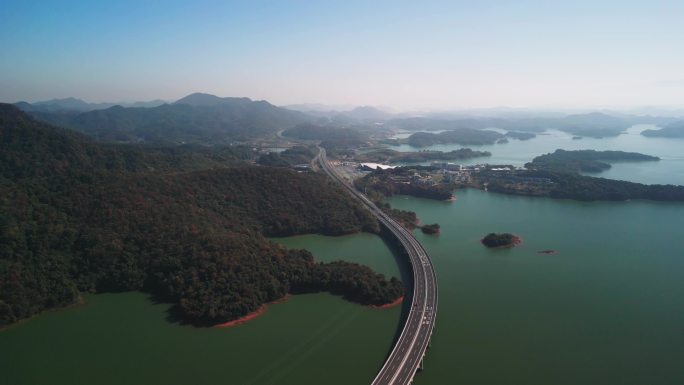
{"type": "Point", "coordinates": [413, 54]}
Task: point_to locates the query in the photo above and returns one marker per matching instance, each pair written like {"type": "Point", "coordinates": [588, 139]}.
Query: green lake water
{"type": "Point", "coordinates": [607, 309]}
{"type": "Point", "coordinates": [126, 338]}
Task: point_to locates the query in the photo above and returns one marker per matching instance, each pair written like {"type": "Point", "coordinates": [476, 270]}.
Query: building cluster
{"type": "Point", "coordinates": [472, 175]}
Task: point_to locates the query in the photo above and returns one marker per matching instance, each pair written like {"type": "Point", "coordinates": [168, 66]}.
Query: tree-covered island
{"type": "Point", "coordinates": [585, 160]}
{"type": "Point", "coordinates": [430, 229]}
{"type": "Point", "coordinates": [500, 240]}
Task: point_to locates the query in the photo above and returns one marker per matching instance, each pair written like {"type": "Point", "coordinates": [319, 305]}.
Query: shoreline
{"type": "Point", "coordinates": [394, 303]}
{"type": "Point", "coordinates": [250, 316]}
{"type": "Point", "coordinates": [79, 302]}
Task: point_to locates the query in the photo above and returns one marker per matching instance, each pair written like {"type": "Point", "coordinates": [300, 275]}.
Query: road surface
{"type": "Point", "coordinates": [407, 355]}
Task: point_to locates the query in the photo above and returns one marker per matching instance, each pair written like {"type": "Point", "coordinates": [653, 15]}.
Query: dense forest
{"type": "Point", "coordinates": [464, 136]}
{"type": "Point", "coordinates": [78, 216]}
{"type": "Point", "coordinates": [570, 185]}
{"type": "Point", "coordinates": [584, 160]}
{"type": "Point", "coordinates": [290, 157]}
{"type": "Point", "coordinates": [393, 181]}
{"type": "Point", "coordinates": [331, 137]}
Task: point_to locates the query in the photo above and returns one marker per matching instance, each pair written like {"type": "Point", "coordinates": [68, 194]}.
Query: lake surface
{"type": "Point", "coordinates": [126, 339]}
{"type": "Point", "coordinates": [669, 170]}
{"type": "Point", "coordinates": [607, 309]}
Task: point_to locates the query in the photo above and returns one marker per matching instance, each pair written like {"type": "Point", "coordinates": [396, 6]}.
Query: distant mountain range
{"type": "Point", "coordinates": [209, 119]}
{"type": "Point", "coordinates": [593, 124]}
{"type": "Point", "coordinates": [73, 104]}
{"type": "Point", "coordinates": [196, 118]}
{"type": "Point", "coordinates": [317, 107]}
{"type": "Point", "coordinates": [345, 114]}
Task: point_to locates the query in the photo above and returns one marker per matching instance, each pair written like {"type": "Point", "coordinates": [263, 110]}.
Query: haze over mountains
{"type": "Point", "coordinates": [200, 118]}
{"type": "Point", "coordinates": [74, 104]}
{"type": "Point", "coordinates": [209, 119]}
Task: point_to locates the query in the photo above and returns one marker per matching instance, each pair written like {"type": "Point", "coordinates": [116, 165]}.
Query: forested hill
{"type": "Point", "coordinates": [584, 160]}
{"type": "Point", "coordinates": [196, 118]}
{"type": "Point", "coordinates": [85, 217]}
{"type": "Point", "coordinates": [29, 148]}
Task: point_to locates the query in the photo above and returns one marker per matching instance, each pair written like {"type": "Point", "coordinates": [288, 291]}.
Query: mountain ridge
{"type": "Point", "coordinates": [195, 118]}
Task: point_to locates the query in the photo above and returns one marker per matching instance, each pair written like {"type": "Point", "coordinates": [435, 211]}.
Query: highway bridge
{"type": "Point", "coordinates": [410, 348]}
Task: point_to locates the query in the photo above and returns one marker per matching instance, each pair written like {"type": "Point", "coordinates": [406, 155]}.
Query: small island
{"type": "Point", "coordinates": [672, 130]}
{"type": "Point", "coordinates": [493, 240]}
{"type": "Point", "coordinates": [430, 229]}
{"type": "Point", "coordinates": [520, 135]}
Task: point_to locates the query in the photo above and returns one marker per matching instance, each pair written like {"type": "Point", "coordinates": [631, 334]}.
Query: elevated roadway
{"type": "Point", "coordinates": [406, 357]}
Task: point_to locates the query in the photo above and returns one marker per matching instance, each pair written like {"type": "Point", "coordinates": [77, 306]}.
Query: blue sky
{"type": "Point", "coordinates": [404, 54]}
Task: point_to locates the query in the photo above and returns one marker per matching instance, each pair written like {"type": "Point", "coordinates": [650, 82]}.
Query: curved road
{"type": "Point", "coordinates": [407, 355]}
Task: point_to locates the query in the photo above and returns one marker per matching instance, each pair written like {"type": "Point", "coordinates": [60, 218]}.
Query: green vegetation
{"type": "Point", "coordinates": [331, 137]}
{"type": "Point", "coordinates": [570, 185]}
{"type": "Point", "coordinates": [578, 187]}
{"type": "Point", "coordinates": [500, 240]}
{"type": "Point", "coordinates": [197, 118]}
{"type": "Point", "coordinates": [464, 136]}
{"type": "Point", "coordinates": [430, 229]}
{"type": "Point", "coordinates": [290, 157]}
{"type": "Point", "coordinates": [672, 130]}
{"type": "Point", "coordinates": [408, 219]}
{"type": "Point", "coordinates": [398, 180]}
{"type": "Point", "coordinates": [392, 156]}
{"type": "Point", "coordinates": [584, 160]}
{"type": "Point", "coordinates": [557, 175]}
{"type": "Point", "coordinates": [77, 216]}
{"type": "Point", "coordinates": [380, 184]}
